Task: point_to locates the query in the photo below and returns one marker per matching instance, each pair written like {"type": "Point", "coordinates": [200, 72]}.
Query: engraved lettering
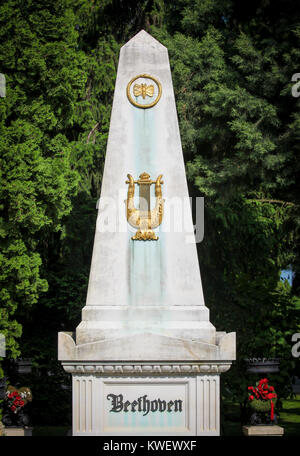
{"type": "Point", "coordinates": [143, 405]}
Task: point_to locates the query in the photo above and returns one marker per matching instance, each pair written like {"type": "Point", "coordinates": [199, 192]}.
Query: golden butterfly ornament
{"type": "Point", "coordinates": [143, 89]}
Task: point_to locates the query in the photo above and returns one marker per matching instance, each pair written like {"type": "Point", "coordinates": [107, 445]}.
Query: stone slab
{"type": "Point", "coordinates": [146, 347]}
{"type": "Point", "coordinates": [261, 430]}
{"type": "Point", "coordinates": [18, 431]}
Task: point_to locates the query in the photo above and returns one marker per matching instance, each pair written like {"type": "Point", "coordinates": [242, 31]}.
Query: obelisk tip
{"type": "Point", "coordinates": [142, 38]}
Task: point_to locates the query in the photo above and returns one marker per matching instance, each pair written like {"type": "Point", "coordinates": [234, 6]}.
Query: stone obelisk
{"type": "Point", "coordinates": [145, 359]}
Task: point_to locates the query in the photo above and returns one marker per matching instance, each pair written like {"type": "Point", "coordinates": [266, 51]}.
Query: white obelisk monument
{"type": "Point", "coordinates": [145, 359]}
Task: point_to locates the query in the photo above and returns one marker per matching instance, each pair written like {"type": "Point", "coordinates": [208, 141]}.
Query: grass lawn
{"type": "Point", "coordinates": [50, 430]}
{"type": "Point", "coordinates": [289, 417]}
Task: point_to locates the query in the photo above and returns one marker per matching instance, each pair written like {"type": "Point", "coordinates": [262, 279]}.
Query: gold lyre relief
{"type": "Point", "coordinates": [144, 219]}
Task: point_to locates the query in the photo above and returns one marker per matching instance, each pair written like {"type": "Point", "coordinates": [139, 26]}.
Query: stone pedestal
{"type": "Point", "coordinates": [145, 338]}
{"type": "Point", "coordinates": [260, 430]}
{"type": "Point", "coordinates": [146, 399]}
{"type": "Point", "coordinates": [166, 396]}
{"type": "Point", "coordinates": [18, 431]}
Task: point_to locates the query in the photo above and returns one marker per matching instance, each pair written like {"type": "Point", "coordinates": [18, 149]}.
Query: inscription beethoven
{"type": "Point", "coordinates": [142, 404]}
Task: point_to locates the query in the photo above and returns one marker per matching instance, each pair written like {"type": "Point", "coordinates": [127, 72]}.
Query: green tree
{"type": "Point", "coordinates": [44, 74]}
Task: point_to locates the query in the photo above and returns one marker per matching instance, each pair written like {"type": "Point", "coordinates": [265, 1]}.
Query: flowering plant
{"type": "Point", "coordinates": [262, 397]}
{"type": "Point", "coordinates": [17, 399]}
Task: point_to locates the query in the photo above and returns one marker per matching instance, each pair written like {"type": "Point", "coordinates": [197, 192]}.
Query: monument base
{"type": "Point", "coordinates": [17, 431]}
{"type": "Point", "coordinates": [263, 430]}
{"type": "Point", "coordinates": [146, 399]}
{"type": "Point", "coordinates": [160, 386]}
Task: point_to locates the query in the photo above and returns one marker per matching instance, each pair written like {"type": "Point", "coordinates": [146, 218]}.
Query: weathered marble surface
{"type": "Point", "coordinates": [141, 286]}
{"type": "Point", "coordinates": [146, 346]}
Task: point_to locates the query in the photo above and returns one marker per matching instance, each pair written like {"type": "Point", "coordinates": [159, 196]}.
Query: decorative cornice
{"type": "Point", "coordinates": [146, 369]}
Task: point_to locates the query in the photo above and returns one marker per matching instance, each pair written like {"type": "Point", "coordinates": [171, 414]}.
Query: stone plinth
{"type": "Point", "coordinates": [260, 430]}
{"type": "Point", "coordinates": [17, 431]}
{"type": "Point", "coordinates": [156, 372]}
{"type": "Point", "coordinates": [146, 399]}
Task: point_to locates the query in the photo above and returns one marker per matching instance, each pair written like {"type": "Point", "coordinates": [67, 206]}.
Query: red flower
{"type": "Point", "coordinates": [13, 408]}
{"type": "Point", "coordinates": [263, 392]}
